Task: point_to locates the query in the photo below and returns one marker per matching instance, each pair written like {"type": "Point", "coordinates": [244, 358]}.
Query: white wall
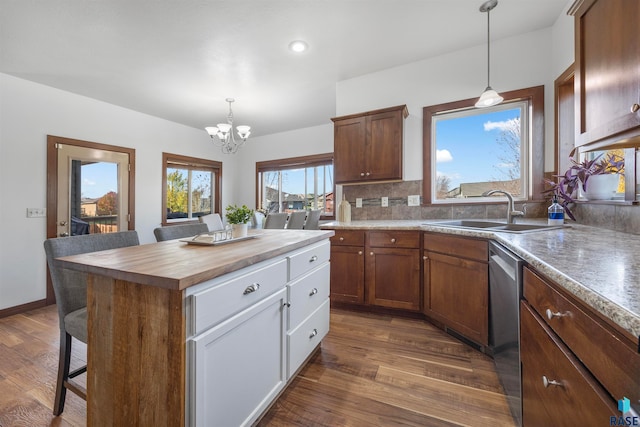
{"type": "Point", "coordinates": [562, 43]}
{"type": "Point", "coordinates": [28, 113]}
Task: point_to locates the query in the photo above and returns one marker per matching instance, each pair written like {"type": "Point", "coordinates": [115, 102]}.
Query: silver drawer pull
{"type": "Point", "coordinates": [393, 240]}
{"type": "Point", "coordinates": [552, 314]}
{"type": "Point", "coordinates": [342, 239]}
{"type": "Point", "coordinates": [547, 382]}
{"type": "Point", "coordinates": [313, 333]}
{"type": "Point", "coordinates": [313, 292]}
{"type": "Point", "coordinates": [313, 258]}
{"type": "Point", "coordinates": [251, 288]}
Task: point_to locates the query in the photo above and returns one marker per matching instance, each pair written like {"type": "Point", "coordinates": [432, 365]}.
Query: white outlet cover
{"type": "Point", "coordinates": [384, 202]}
{"type": "Point", "coordinates": [413, 200]}
{"type": "Point", "coordinates": [358, 202]}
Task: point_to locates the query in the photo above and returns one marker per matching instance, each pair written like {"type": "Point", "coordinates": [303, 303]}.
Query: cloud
{"type": "Point", "coordinates": [504, 125]}
{"type": "Point", "coordinates": [86, 181]}
{"type": "Point", "coordinates": [443, 156]}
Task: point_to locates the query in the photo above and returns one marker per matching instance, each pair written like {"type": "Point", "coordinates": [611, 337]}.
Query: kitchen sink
{"type": "Point", "coordinates": [465, 223]}
{"type": "Point", "coordinates": [495, 226]}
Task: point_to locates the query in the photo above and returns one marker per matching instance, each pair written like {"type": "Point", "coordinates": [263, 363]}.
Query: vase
{"type": "Point", "coordinates": [602, 187]}
{"type": "Point", "coordinates": [239, 230]}
{"type": "Point", "coordinates": [344, 210]}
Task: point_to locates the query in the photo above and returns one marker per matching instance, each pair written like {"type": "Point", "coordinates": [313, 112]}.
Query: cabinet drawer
{"type": "Point", "coordinates": [307, 294]}
{"type": "Point", "coordinates": [602, 349]}
{"type": "Point", "coordinates": [307, 259]}
{"type": "Point", "coordinates": [463, 247]}
{"type": "Point", "coordinates": [575, 398]}
{"type": "Point", "coordinates": [212, 305]}
{"type": "Point", "coordinates": [394, 239]}
{"type": "Point", "coordinates": [348, 238]}
{"type": "Point", "coordinates": [307, 336]}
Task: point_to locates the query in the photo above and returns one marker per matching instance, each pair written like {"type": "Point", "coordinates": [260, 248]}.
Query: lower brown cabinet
{"type": "Point", "coordinates": [456, 284]}
{"type": "Point", "coordinates": [556, 389]}
{"type": "Point", "coordinates": [347, 274]}
{"type": "Point", "coordinates": [576, 365]}
{"type": "Point", "coordinates": [393, 278]}
{"type": "Point", "coordinates": [379, 268]}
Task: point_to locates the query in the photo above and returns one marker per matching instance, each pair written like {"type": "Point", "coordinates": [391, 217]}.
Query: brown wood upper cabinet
{"type": "Point", "coordinates": [368, 146]}
{"type": "Point", "coordinates": [456, 284]}
{"type": "Point", "coordinates": [607, 76]}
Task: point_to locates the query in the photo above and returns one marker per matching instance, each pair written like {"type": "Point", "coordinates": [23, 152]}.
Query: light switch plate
{"type": "Point", "coordinates": [358, 202]}
{"type": "Point", "coordinates": [413, 200]}
{"type": "Point", "coordinates": [36, 212]}
{"type": "Point", "coordinates": [384, 202]}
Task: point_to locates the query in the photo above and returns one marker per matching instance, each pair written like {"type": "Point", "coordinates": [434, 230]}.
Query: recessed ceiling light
{"type": "Point", "coordinates": [298, 46]}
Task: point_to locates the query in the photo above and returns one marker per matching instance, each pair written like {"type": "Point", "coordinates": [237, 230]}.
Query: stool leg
{"type": "Point", "coordinates": [63, 372]}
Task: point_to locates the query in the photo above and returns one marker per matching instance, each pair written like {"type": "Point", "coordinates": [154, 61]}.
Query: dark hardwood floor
{"type": "Point", "coordinates": [372, 370]}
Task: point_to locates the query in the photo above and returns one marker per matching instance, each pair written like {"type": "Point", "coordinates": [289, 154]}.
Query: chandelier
{"type": "Point", "coordinates": [222, 133]}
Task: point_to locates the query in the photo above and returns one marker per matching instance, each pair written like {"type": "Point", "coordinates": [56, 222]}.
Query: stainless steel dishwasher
{"type": "Point", "coordinates": [505, 290]}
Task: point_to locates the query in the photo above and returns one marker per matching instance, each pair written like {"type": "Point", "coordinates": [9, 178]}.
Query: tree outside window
{"type": "Point", "coordinates": [191, 188]}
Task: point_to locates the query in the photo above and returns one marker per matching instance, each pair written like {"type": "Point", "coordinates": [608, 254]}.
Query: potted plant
{"type": "Point", "coordinates": [587, 175]}
{"type": "Point", "coordinates": [239, 218]}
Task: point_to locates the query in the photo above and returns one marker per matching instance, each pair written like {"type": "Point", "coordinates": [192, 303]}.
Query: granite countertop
{"type": "Point", "coordinates": [600, 267]}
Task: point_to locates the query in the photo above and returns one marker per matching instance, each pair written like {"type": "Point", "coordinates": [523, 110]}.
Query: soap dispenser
{"type": "Point", "coordinates": [555, 213]}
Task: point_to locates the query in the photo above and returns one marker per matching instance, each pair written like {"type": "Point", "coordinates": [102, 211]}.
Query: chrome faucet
{"type": "Point", "coordinates": [511, 209]}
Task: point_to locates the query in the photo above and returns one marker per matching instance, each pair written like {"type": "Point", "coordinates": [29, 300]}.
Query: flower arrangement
{"type": "Point", "coordinates": [577, 176]}
{"type": "Point", "coordinates": [238, 215]}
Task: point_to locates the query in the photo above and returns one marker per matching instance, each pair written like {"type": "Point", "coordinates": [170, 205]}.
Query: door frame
{"type": "Point", "coordinates": [52, 187]}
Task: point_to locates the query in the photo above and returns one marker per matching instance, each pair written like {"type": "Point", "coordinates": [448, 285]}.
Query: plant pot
{"type": "Point", "coordinates": [602, 187]}
{"type": "Point", "coordinates": [239, 230]}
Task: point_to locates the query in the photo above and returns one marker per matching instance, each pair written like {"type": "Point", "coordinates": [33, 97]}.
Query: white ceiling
{"type": "Point", "coordinates": [180, 59]}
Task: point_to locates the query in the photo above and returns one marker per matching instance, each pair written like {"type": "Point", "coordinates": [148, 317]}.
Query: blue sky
{"type": "Point", "coordinates": [467, 148]}
{"type": "Point", "coordinates": [98, 179]}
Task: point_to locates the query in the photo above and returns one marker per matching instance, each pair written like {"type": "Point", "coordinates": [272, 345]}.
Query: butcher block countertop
{"type": "Point", "coordinates": [176, 265]}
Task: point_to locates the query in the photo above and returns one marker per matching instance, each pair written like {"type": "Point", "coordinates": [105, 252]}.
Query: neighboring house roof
{"type": "Point", "coordinates": [477, 189]}
{"type": "Point", "coordinates": [272, 194]}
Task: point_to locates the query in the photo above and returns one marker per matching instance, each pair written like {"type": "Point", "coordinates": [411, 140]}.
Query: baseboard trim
{"type": "Point", "coordinates": [6, 312]}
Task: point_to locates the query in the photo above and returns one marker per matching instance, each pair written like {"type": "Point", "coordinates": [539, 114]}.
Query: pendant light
{"type": "Point", "coordinates": [489, 97]}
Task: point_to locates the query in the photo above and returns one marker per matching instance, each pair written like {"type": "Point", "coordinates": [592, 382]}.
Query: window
{"type": "Point", "coordinates": [296, 183]}
{"type": "Point", "coordinates": [190, 188]}
{"type": "Point", "coordinates": [469, 151]}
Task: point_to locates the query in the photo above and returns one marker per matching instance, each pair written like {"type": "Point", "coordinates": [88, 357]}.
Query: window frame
{"type": "Point", "coordinates": [179, 160]}
{"type": "Point", "coordinates": [535, 97]}
{"type": "Point", "coordinates": [313, 160]}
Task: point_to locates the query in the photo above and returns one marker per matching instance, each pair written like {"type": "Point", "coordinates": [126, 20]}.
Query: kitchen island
{"type": "Point", "coordinates": [154, 310]}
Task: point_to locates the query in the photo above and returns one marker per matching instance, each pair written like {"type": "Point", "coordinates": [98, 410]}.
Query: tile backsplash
{"type": "Point", "coordinates": [625, 218]}
{"type": "Point", "coordinates": [398, 193]}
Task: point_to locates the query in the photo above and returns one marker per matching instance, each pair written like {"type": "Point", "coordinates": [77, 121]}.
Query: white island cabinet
{"type": "Point", "coordinates": [250, 331]}
{"type": "Point", "coordinates": [204, 336]}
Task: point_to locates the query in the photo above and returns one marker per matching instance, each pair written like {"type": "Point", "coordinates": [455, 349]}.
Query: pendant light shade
{"type": "Point", "coordinates": [489, 97]}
